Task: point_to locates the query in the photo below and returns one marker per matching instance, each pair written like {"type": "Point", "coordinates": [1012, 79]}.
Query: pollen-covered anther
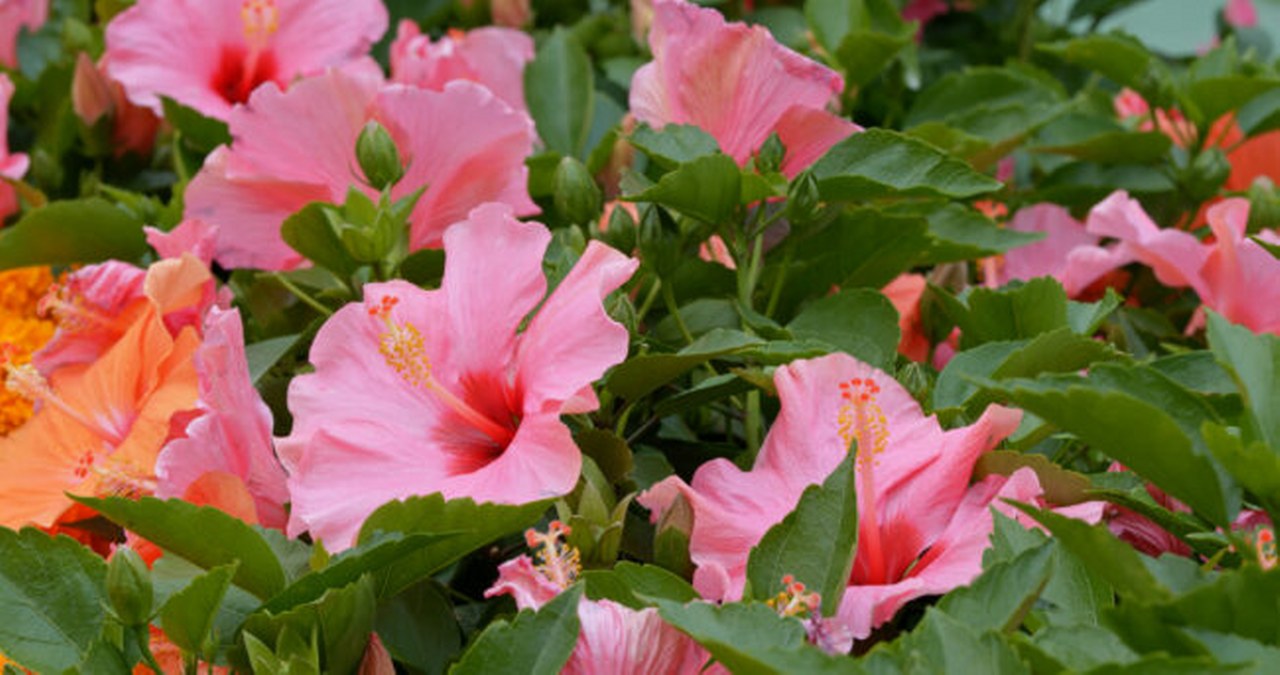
{"type": "Point", "coordinates": [401, 344]}
{"type": "Point", "coordinates": [119, 480]}
{"type": "Point", "coordinates": [861, 419]}
{"type": "Point", "coordinates": [793, 600]}
{"type": "Point", "coordinates": [554, 558]}
{"type": "Point", "coordinates": [69, 309]}
{"type": "Point", "coordinates": [261, 18]}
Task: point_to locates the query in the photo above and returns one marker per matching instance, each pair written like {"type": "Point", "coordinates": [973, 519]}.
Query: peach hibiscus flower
{"type": "Point", "coordinates": [416, 392]}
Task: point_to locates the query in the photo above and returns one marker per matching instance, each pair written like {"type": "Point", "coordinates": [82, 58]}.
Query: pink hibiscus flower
{"type": "Point", "coordinates": [225, 456]}
{"type": "Point", "coordinates": [759, 87]}
{"type": "Point", "coordinates": [14, 16]}
{"type": "Point", "coordinates": [1233, 275]}
{"type": "Point", "coordinates": [493, 57]}
{"type": "Point", "coordinates": [296, 147]}
{"type": "Point", "coordinates": [12, 165]}
{"type": "Point", "coordinates": [922, 526]}
{"type": "Point", "coordinates": [1068, 253]}
{"type": "Point", "coordinates": [613, 638]}
{"type": "Point", "coordinates": [416, 391]}
{"type": "Point", "coordinates": [212, 54]}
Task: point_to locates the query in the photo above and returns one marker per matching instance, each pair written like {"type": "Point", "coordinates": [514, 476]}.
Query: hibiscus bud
{"type": "Point", "coordinates": [129, 587]}
{"type": "Point", "coordinates": [803, 199]}
{"type": "Point", "coordinates": [578, 198]}
{"type": "Point", "coordinates": [1206, 174]}
{"type": "Point", "coordinates": [378, 157]}
{"type": "Point", "coordinates": [90, 91]}
{"type": "Point", "coordinates": [769, 158]}
{"type": "Point", "coordinates": [1264, 205]}
{"type": "Point", "coordinates": [618, 225]}
{"type": "Point", "coordinates": [671, 539]}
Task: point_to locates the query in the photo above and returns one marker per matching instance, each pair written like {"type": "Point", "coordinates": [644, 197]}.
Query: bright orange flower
{"type": "Point", "coordinates": [22, 332]}
{"type": "Point", "coordinates": [101, 424]}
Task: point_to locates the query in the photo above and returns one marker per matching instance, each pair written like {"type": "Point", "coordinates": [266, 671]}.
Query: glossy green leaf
{"type": "Point", "coordinates": [534, 643]}
{"type": "Point", "coordinates": [737, 635]}
{"type": "Point", "coordinates": [880, 163]}
{"type": "Point", "coordinates": [674, 144]}
{"type": "Point", "coordinates": [341, 620]}
{"type": "Point", "coordinates": [419, 629]}
{"type": "Point", "coordinates": [261, 356]}
{"type": "Point", "coordinates": [188, 615]}
{"type": "Point", "coordinates": [559, 86]}
{"type": "Point", "coordinates": [202, 132]}
{"type": "Point", "coordinates": [1252, 359]}
{"type": "Point", "coordinates": [310, 233]}
{"type": "Point", "coordinates": [707, 188]}
{"type": "Point", "coordinates": [641, 375]}
{"type": "Point", "coordinates": [71, 231]}
{"type": "Point", "coordinates": [860, 322]}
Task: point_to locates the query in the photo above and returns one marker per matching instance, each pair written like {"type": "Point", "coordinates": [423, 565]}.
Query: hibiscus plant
{"type": "Point", "coordinates": [800, 336]}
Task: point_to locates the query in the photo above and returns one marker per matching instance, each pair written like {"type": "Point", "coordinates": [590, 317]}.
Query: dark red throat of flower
{"type": "Point", "coordinates": [240, 71]}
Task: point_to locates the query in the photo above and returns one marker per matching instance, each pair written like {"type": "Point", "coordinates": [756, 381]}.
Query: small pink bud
{"type": "Point", "coordinates": [90, 91]}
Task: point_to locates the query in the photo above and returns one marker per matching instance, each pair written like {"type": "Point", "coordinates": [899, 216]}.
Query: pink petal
{"type": "Point", "coordinates": [807, 134]}
{"type": "Point", "coordinates": [466, 145]}
{"type": "Point", "coordinates": [1239, 273]}
{"type": "Point", "coordinates": [492, 57]}
{"type": "Point", "coordinates": [524, 583]}
{"type": "Point", "coordinates": [1175, 256]}
{"type": "Point", "coordinates": [572, 341]}
{"type": "Point", "coordinates": [190, 236]}
{"type": "Point", "coordinates": [14, 16]}
{"type": "Point", "coordinates": [318, 34]}
{"type": "Point", "coordinates": [623, 641]}
{"type": "Point", "coordinates": [757, 82]}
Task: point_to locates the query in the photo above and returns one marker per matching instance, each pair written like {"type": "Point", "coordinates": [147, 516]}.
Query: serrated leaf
{"type": "Point", "coordinates": [52, 595]}
{"type": "Point", "coordinates": [815, 543]}
{"type": "Point", "coordinates": [202, 535]}
{"type": "Point", "coordinates": [708, 188]}
{"type": "Point", "coordinates": [881, 163]}
{"type": "Point", "coordinates": [71, 231]}
{"type": "Point", "coordinates": [1252, 359]}
{"type": "Point", "coordinates": [536, 643]}
{"type": "Point", "coordinates": [1000, 598]}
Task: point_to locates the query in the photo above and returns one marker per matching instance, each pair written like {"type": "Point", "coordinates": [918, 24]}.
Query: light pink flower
{"type": "Point", "coordinates": [14, 16]}
{"type": "Point", "coordinates": [227, 448]}
{"type": "Point", "coordinates": [1240, 14]}
{"type": "Point", "coordinates": [416, 392]}
{"type": "Point", "coordinates": [212, 54]}
{"type": "Point", "coordinates": [1068, 252]}
{"type": "Point", "coordinates": [12, 165]}
{"type": "Point", "coordinates": [190, 236]}
{"type": "Point", "coordinates": [493, 57]}
{"type": "Point", "coordinates": [921, 526]}
{"type": "Point", "coordinates": [737, 84]}
{"type": "Point", "coordinates": [1233, 275]}
{"type": "Point", "coordinates": [613, 638]}
{"type": "Point", "coordinates": [296, 147]}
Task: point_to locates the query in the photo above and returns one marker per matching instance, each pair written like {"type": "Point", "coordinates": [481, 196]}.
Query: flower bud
{"type": "Point", "coordinates": [1264, 205]}
{"type": "Point", "coordinates": [578, 198]}
{"type": "Point", "coordinates": [129, 587]}
{"type": "Point", "coordinates": [803, 199]}
{"type": "Point", "coordinates": [90, 91]}
{"type": "Point", "coordinates": [1206, 174]}
{"type": "Point", "coordinates": [379, 159]}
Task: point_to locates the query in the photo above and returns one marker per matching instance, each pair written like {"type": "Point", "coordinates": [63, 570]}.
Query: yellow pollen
{"type": "Point", "coordinates": [118, 480]}
{"type": "Point", "coordinates": [793, 600]}
{"type": "Point", "coordinates": [22, 333]}
{"type": "Point", "coordinates": [1266, 546]}
{"type": "Point", "coordinates": [261, 18]}
{"type": "Point", "coordinates": [555, 559]}
{"type": "Point", "coordinates": [861, 419]}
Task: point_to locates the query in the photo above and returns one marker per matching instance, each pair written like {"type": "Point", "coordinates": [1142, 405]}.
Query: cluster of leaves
{"type": "Point", "coordinates": [1196, 417]}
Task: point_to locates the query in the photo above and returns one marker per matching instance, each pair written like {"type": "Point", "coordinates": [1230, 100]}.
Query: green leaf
{"type": "Point", "coordinates": [1214, 97]}
{"type": "Point", "coordinates": [864, 35]}
{"type": "Point", "coordinates": [342, 619]}
{"type": "Point", "coordinates": [1012, 313]}
{"type": "Point", "coordinates": [860, 322]}
{"type": "Point", "coordinates": [1116, 56]}
{"type": "Point", "coordinates": [559, 89]}
{"type": "Point", "coordinates": [738, 635]}
{"type": "Point", "coordinates": [1251, 358]}
{"type": "Point", "coordinates": [372, 556]}
{"type": "Point", "coordinates": [535, 643]}
{"type": "Point", "coordinates": [419, 629]}
{"type": "Point", "coordinates": [880, 163]}
{"type": "Point", "coordinates": [1140, 418]}
{"type": "Point", "coordinates": [189, 614]}
{"type": "Point", "coordinates": [1255, 466]}
{"type": "Point", "coordinates": [52, 600]}
{"type": "Point", "coordinates": [203, 535]}
{"type": "Point", "coordinates": [263, 355]}
{"type": "Point", "coordinates": [1001, 597]}
{"type": "Point", "coordinates": [471, 525]}
{"type": "Point", "coordinates": [815, 543]}
{"type": "Point", "coordinates": [643, 374]}
{"type": "Point", "coordinates": [71, 231]}
{"type": "Point", "coordinates": [707, 188]}
{"type": "Point", "coordinates": [962, 233]}
{"type": "Point", "coordinates": [940, 641]}
{"type": "Point", "coordinates": [1115, 147]}
{"type": "Point", "coordinates": [637, 586]}
{"type": "Point", "coordinates": [674, 144]}
{"type": "Point", "coordinates": [310, 233]}
{"type": "Point", "coordinates": [1107, 557]}
{"type": "Point", "coordinates": [1261, 114]}
{"type": "Point", "coordinates": [203, 133]}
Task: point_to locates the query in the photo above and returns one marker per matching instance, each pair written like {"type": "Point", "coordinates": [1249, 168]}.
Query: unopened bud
{"type": "Point", "coordinates": [578, 198]}
{"type": "Point", "coordinates": [129, 587]}
{"type": "Point", "coordinates": [379, 159]}
{"type": "Point", "coordinates": [90, 91]}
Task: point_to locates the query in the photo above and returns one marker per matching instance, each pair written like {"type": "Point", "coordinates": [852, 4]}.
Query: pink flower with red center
{"type": "Point", "coordinates": [13, 166]}
{"type": "Point", "coordinates": [758, 88]}
{"type": "Point", "coordinates": [922, 527]}
{"type": "Point", "coordinates": [1068, 252]}
{"type": "Point", "coordinates": [416, 392]}
{"type": "Point", "coordinates": [225, 455]}
{"type": "Point", "coordinates": [1234, 275]}
{"type": "Point", "coordinates": [493, 57]}
{"type": "Point", "coordinates": [292, 148]}
{"type": "Point", "coordinates": [16, 15]}
{"type": "Point", "coordinates": [212, 54]}
{"type": "Point", "coordinates": [613, 638]}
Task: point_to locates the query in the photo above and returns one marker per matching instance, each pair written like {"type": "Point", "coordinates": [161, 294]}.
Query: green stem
{"type": "Point", "coordinates": [301, 294]}
{"type": "Point", "coordinates": [649, 299]}
{"type": "Point", "coordinates": [775, 293]}
{"type": "Point", "coordinates": [669, 297]}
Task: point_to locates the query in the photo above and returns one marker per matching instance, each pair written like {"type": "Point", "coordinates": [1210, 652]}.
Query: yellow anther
{"type": "Point", "coordinates": [860, 418]}
{"type": "Point", "coordinates": [793, 600]}
{"type": "Point", "coordinates": [261, 18]}
{"type": "Point", "coordinates": [554, 558]}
